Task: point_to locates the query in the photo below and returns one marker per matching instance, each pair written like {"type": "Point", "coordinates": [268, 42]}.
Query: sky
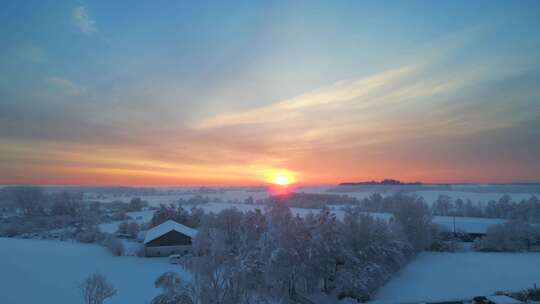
{"type": "Point", "coordinates": [237, 93]}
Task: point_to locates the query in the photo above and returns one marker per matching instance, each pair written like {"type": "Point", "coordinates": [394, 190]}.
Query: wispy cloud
{"type": "Point", "coordinates": [66, 86]}
{"type": "Point", "coordinates": [84, 21]}
{"type": "Point", "coordinates": [333, 95]}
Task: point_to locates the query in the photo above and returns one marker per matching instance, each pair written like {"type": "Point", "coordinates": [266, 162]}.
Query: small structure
{"type": "Point", "coordinates": [167, 239]}
{"type": "Point", "coordinates": [497, 299]}
{"type": "Point", "coordinates": [175, 258]}
{"type": "Point", "coordinates": [501, 299]}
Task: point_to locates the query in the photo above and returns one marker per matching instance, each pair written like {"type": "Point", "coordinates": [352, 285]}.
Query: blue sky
{"type": "Point", "coordinates": [176, 92]}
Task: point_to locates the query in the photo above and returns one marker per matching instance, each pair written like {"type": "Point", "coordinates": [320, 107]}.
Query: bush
{"type": "Point", "coordinates": [133, 229]}
{"type": "Point", "coordinates": [114, 245]}
{"type": "Point", "coordinates": [16, 228]}
{"type": "Point", "coordinates": [95, 289]}
{"type": "Point", "coordinates": [88, 236]}
{"type": "Point", "coordinates": [123, 228]}
{"type": "Point", "coordinates": [509, 236]}
{"type": "Point", "coordinates": [140, 251]}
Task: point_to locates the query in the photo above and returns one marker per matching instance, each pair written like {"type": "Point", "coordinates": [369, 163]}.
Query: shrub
{"type": "Point", "coordinates": [89, 235]}
{"type": "Point", "coordinates": [509, 236]}
{"type": "Point", "coordinates": [95, 289]}
{"type": "Point", "coordinates": [114, 245]}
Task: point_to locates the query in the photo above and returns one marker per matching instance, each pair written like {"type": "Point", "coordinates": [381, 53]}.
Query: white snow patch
{"type": "Point", "coordinates": [35, 271]}
{"type": "Point", "coordinates": [436, 276]}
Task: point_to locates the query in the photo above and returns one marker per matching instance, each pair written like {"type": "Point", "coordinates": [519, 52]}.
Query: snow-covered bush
{"type": "Point", "coordinates": [443, 240]}
{"type": "Point", "coordinates": [122, 227]}
{"type": "Point", "coordinates": [114, 245]}
{"type": "Point", "coordinates": [133, 229]}
{"type": "Point", "coordinates": [174, 291]}
{"type": "Point", "coordinates": [509, 236]}
{"type": "Point", "coordinates": [88, 236]}
{"type": "Point", "coordinates": [139, 250]}
{"type": "Point", "coordinates": [16, 228]}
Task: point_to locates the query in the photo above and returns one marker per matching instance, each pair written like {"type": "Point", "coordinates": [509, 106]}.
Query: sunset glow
{"type": "Point", "coordinates": [276, 93]}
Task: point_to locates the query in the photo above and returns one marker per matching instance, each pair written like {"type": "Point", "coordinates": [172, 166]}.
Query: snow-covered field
{"type": "Point", "coordinates": [156, 200]}
{"type": "Point", "coordinates": [34, 271]}
{"type": "Point", "coordinates": [429, 196]}
{"type": "Point", "coordinates": [444, 276]}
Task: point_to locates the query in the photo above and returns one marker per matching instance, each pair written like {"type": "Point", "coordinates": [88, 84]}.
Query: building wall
{"type": "Point", "coordinates": [171, 238]}
{"type": "Point", "coordinates": [165, 251]}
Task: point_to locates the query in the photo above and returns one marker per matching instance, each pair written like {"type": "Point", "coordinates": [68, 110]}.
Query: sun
{"type": "Point", "coordinates": [282, 180]}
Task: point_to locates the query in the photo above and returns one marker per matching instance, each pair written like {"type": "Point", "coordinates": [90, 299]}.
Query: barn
{"type": "Point", "coordinates": [168, 238]}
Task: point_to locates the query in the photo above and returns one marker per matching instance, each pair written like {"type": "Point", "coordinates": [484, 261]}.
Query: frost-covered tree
{"type": "Point", "coordinates": [443, 205]}
{"type": "Point", "coordinates": [255, 256]}
{"type": "Point", "coordinates": [29, 199]}
{"type": "Point", "coordinates": [174, 290]}
{"type": "Point", "coordinates": [414, 219]}
{"type": "Point", "coordinates": [95, 289]}
{"type": "Point", "coordinates": [133, 229]}
{"type": "Point", "coordinates": [136, 204]}
{"type": "Point", "coordinates": [67, 203]}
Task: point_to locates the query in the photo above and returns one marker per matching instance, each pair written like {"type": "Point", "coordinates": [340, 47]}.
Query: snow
{"type": "Point", "coordinates": [166, 227]}
{"type": "Point", "coordinates": [36, 271]}
{"type": "Point", "coordinates": [436, 276]}
{"type": "Point", "coordinates": [503, 300]}
{"type": "Point", "coordinates": [467, 224]}
{"type": "Point", "coordinates": [136, 216]}
{"type": "Point", "coordinates": [166, 199]}
{"type": "Point", "coordinates": [430, 196]}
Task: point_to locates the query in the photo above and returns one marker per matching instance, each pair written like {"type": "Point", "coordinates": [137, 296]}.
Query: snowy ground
{"type": "Point", "coordinates": [429, 196]}
{"type": "Point", "coordinates": [52, 269]}
{"type": "Point", "coordinates": [156, 200]}
{"type": "Point", "coordinates": [138, 216]}
{"type": "Point", "coordinates": [443, 276]}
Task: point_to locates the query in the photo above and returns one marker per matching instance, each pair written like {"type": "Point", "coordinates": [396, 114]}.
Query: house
{"type": "Point", "coordinates": [168, 238]}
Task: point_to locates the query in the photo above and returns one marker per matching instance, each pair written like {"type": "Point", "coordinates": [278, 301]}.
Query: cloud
{"type": "Point", "coordinates": [32, 54]}
{"type": "Point", "coordinates": [84, 22]}
{"type": "Point", "coordinates": [66, 86]}
{"type": "Point", "coordinates": [332, 95]}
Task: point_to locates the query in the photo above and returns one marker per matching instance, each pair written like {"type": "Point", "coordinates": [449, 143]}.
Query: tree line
{"type": "Point", "coordinates": [245, 257]}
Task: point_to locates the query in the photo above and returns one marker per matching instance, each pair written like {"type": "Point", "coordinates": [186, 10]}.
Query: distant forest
{"type": "Point", "coordinates": [386, 182]}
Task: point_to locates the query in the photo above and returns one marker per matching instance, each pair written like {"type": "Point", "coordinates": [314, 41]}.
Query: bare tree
{"type": "Point", "coordinates": [95, 289]}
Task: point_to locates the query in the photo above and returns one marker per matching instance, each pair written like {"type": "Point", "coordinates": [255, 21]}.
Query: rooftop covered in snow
{"type": "Point", "coordinates": [166, 227]}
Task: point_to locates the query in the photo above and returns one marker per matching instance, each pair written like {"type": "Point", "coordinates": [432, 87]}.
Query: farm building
{"type": "Point", "coordinates": [168, 238]}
